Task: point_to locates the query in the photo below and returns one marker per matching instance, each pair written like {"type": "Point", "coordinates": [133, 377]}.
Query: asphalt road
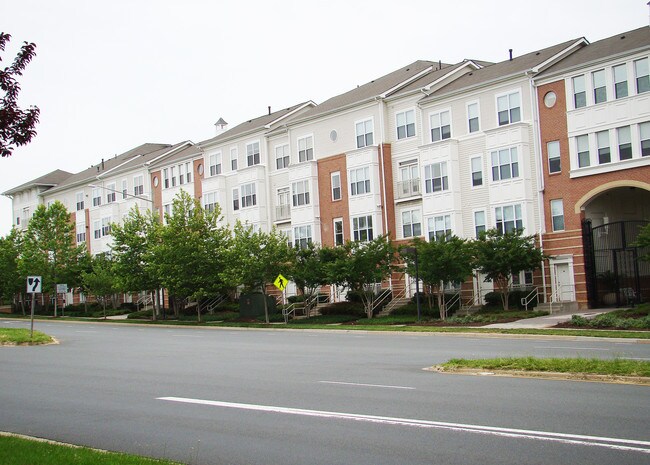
{"type": "Point", "coordinates": [219, 396]}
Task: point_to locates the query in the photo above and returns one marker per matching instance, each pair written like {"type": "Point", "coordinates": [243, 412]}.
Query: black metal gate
{"type": "Point", "coordinates": [614, 273]}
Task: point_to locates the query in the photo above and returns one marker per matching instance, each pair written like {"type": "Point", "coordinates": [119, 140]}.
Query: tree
{"type": "Point", "coordinates": [100, 281]}
{"type": "Point", "coordinates": [360, 265]}
{"type": "Point", "coordinates": [643, 242]}
{"type": "Point", "coordinates": [49, 249]}
{"type": "Point", "coordinates": [308, 270]}
{"type": "Point", "coordinates": [502, 255]}
{"type": "Point", "coordinates": [255, 259]}
{"type": "Point", "coordinates": [441, 261]}
{"type": "Point", "coordinates": [11, 283]}
{"type": "Point", "coordinates": [16, 125]}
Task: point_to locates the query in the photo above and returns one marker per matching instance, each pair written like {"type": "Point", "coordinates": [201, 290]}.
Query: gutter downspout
{"type": "Point", "coordinates": [381, 165]}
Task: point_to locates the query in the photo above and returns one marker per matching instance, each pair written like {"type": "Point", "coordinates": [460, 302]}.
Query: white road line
{"type": "Point", "coordinates": [571, 348]}
{"type": "Point", "coordinates": [80, 331]}
{"type": "Point", "coordinates": [185, 335]}
{"type": "Point", "coordinates": [367, 385]}
{"type": "Point", "coordinates": [595, 441]}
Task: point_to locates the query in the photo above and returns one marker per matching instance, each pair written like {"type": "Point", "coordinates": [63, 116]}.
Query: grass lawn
{"type": "Point", "coordinates": [11, 336]}
{"type": "Point", "coordinates": [615, 367]}
{"type": "Point", "coordinates": [23, 451]}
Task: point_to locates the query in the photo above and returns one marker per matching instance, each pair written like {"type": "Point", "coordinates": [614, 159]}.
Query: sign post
{"type": "Point", "coordinates": [60, 289]}
{"type": "Point", "coordinates": [33, 288]}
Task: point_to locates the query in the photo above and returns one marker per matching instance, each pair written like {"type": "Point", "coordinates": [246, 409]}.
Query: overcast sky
{"type": "Point", "coordinates": [111, 75]}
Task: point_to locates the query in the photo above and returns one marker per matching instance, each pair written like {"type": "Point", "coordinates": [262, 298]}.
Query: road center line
{"type": "Point", "coordinates": [367, 385]}
{"type": "Point", "coordinates": [570, 348]}
{"type": "Point", "coordinates": [595, 441]}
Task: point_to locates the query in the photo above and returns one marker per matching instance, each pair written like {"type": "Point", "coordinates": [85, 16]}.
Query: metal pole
{"type": "Point", "coordinates": [31, 331]}
{"type": "Point", "coordinates": [417, 284]}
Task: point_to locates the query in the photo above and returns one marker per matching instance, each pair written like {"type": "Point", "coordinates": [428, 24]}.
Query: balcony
{"type": "Point", "coordinates": [408, 189]}
{"type": "Point", "coordinates": [282, 212]}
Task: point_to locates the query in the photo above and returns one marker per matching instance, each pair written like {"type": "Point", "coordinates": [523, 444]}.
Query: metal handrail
{"type": "Point", "coordinates": [534, 294]}
{"type": "Point", "coordinates": [450, 303]}
{"type": "Point", "coordinates": [215, 302]}
{"type": "Point", "coordinates": [290, 310]}
{"type": "Point", "coordinates": [396, 296]}
{"type": "Point", "coordinates": [379, 301]}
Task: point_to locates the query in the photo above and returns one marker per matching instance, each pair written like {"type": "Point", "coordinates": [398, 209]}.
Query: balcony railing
{"type": "Point", "coordinates": [282, 212]}
{"type": "Point", "coordinates": [408, 188]}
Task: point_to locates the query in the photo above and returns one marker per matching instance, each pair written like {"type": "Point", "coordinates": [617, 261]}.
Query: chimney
{"type": "Point", "coordinates": [102, 164]}
{"type": "Point", "coordinates": [510, 50]}
{"type": "Point", "coordinates": [220, 126]}
{"type": "Point", "coordinates": [269, 109]}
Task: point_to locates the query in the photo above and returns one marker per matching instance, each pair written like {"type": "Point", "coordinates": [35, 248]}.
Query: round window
{"type": "Point", "coordinates": [549, 99]}
{"type": "Point", "coordinates": [155, 181]}
{"type": "Point", "coordinates": [333, 136]}
{"type": "Point", "coordinates": [200, 169]}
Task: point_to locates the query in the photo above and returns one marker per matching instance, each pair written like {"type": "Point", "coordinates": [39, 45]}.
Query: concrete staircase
{"type": "Point", "coordinates": [556, 308]}
{"type": "Point", "coordinates": [393, 304]}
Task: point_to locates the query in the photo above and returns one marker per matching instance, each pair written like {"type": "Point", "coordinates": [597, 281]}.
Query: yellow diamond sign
{"type": "Point", "coordinates": [280, 282]}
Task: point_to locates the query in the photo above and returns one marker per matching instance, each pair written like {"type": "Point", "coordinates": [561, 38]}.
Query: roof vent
{"type": "Point", "coordinates": [269, 109]}
{"type": "Point", "coordinates": [622, 37]}
{"type": "Point", "coordinates": [510, 51]}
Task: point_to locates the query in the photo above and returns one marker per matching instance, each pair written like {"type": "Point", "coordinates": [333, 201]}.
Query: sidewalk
{"type": "Point", "coordinates": [548, 320]}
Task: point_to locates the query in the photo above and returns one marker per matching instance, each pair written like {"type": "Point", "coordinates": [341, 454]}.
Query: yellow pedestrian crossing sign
{"type": "Point", "coordinates": [280, 282]}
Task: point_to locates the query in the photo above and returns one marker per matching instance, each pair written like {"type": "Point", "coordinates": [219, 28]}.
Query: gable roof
{"type": "Point", "coordinates": [49, 180]}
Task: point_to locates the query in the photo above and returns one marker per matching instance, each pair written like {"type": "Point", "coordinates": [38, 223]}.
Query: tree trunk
{"type": "Point", "coordinates": [154, 302]}
{"type": "Point", "coordinates": [266, 304]}
{"type": "Point", "coordinates": [441, 303]}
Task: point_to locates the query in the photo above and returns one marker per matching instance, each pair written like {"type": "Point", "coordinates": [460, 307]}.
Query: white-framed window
{"type": "Point", "coordinates": [338, 231]}
{"type": "Point", "coordinates": [248, 195]}
{"type": "Point", "coordinates": [336, 185]}
{"type": "Point", "coordinates": [125, 189]}
{"type": "Point", "coordinates": [405, 122]}
{"type": "Point", "coordinates": [579, 91]}
{"type": "Point", "coordinates": [215, 164]}
{"type": "Point", "coordinates": [604, 152]}
{"type": "Point", "coordinates": [411, 223]}
{"type": "Point", "coordinates": [362, 228]}
{"type": "Point", "coordinates": [644, 133]}
{"type": "Point", "coordinates": [172, 172]}
{"type": "Point", "coordinates": [364, 130]}
{"type": "Point", "coordinates": [166, 178]}
{"type": "Point", "coordinates": [642, 75]}
{"type": "Point", "coordinates": [97, 197]}
{"type": "Point", "coordinates": [188, 171]}
{"type": "Point", "coordinates": [302, 236]}
{"type": "Point", "coordinates": [473, 117]}
{"type": "Point", "coordinates": [283, 209]}
{"type": "Point", "coordinates": [138, 184]}
{"type": "Point", "coordinates": [479, 223]}
{"type": "Point", "coordinates": [409, 179]}
{"type": "Point", "coordinates": [600, 86]}
{"type": "Point", "coordinates": [80, 200]}
{"type": "Point", "coordinates": [440, 125]}
{"type": "Point", "coordinates": [620, 81]}
{"type": "Point", "coordinates": [624, 137]}
{"type": "Point", "coordinates": [106, 226]}
{"type": "Point", "coordinates": [505, 164]}
{"type": "Point", "coordinates": [110, 193]}
{"type": "Point", "coordinates": [167, 211]}
{"type": "Point", "coordinates": [181, 174]}
{"type": "Point", "coordinates": [253, 153]}
{"type": "Point", "coordinates": [235, 199]}
{"type": "Point", "coordinates": [97, 229]}
{"type": "Point", "coordinates": [435, 177]}
{"type": "Point", "coordinates": [210, 201]}
{"type": "Point", "coordinates": [508, 218]}
{"type": "Point", "coordinates": [234, 156]}
{"type": "Point", "coordinates": [582, 145]}
{"type": "Point", "coordinates": [81, 232]}
{"type": "Point", "coordinates": [439, 227]}
{"type": "Point", "coordinates": [305, 148]}
{"type": "Point", "coordinates": [557, 214]}
{"type": "Point", "coordinates": [359, 181]}
{"type": "Point", "coordinates": [508, 108]}
{"type": "Point", "coordinates": [300, 193]}
{"type": "Point", "coordinates": [476, 165]}
{"type": "Point", "coordinates": [282, 156]}
{"type": "Point", "coordinates": [554, 160]}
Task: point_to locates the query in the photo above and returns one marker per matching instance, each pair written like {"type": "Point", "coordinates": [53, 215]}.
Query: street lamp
{"type": "Point", "coordinates": [414, 251]}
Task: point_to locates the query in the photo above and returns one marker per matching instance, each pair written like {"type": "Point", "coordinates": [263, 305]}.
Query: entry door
{"type": "Point", "coordinates": [563, 282]}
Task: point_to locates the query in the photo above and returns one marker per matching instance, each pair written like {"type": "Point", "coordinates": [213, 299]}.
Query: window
{"type": "Point", "coordinates": [235, 199]}
{"type": "Point", "coordinates": [364, 133]}
{"type": "Point", "coordinates": [553, 152]}
{"type": "Point", "coordinates": [167, 210]}
{"type": "Point", "coordinates": [509, 108]}
{"type": "Point", "coordinates": [338, 231]}
{"type": "Point", "coordinates": [477, 171]}
{"type": "Point", "coordinates": [305, 149]}
{"type": "Point", "coordinates": [440, 126]}
{"type": "Point", "coordinates": [604, 154]}
{"type": "Point", "coordinates": [644, 131]}
{"type": "Point", "coordinates": [620, 81]}
{"type": "Point", "coordinates": [172, 171]}
{"type": "Point", "coordinates": [97, 229]}
{"type": "Point", "coordinates": [439, 227]}
{"type": "Point", "coordinates": [282, 156]}
{"type": "Point", "coordinates": [188, 171]}
{"type": "Point", "coordinates": [360, 181]}
{"type": "Point", "coordinates": [557, 215]}
{"type": "Point", "coordinates": [405, 124]}
{"type": "Point", "coordinates": [642, 74]}
{"type": "Point", "coordinates": [80, 201]}
{"type": "Point", "coordinates": [166, 178]}
{"type": "Point", "coordinates": [283, 210]}
{"type": "Point", "coordinates": [253, 154]}
{"type": "Point", "coordinates": [110, 193]}
{"type": "Point", "coordinates": [579, 93]}
{"type": "Point", "coordinates": [600, 86]}
{"type": "Point", "coordinates": [106, 226]}
{"type": "Point", "coordinates": [125, 189]}
{"type": "Point", "coordinates": [362, 228]}
{"type": "Point", "coordinates": [505, 164]}
{"type": "Point", "coordinates": [435, 177]}
{"type": "Point", "coordinates": [215, 164]}
{"type": "Point", "coordinates": [97, 197]}
{"type": "Point", "coordinates": [411, 223]}
{"type": "Point", "coordinates": [508, 218]}
{"type": "Point", "coordinates": [472, 117]}
{"type": "Point", "coordinates": [624, 143]}
{"type": "Point", "coordinates": [81, 233]}
{"type": "Point", "coordinates": [582, 143]}
{"type": "Point", "coordinates": [479, 223]}
{"type": "Point", "coordinates": [336, 185]}
{"type": "Point", "coordinates": [409, 183]}
{"type": "Point", "coordinates": [233, 158]}
{"type": "Point", "coordinates": [300, 193]}
{"type": "Point", "coordinates": [210, 201]}
{"type": "Point", "coordinates": [181, 174]}
{"type": "Point", "coordinates": [138, 184]}
{"type": "Point", "coordinates": [302, 236]}
{"type": "Point", "coordinates": [248, 195]}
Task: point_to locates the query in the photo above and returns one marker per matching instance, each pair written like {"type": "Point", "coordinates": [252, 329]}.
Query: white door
{"type": "Point", "coordinates": [563, 285]}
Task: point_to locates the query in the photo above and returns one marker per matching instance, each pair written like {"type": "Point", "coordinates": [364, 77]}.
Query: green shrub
{"type": "Point", "coordinates": [324, 320]}
{"type": "Point", "coordinates": [141, 315]}
{"type": "Point", "coordinates": [412, 309]}
{"type": "Point", "coordinates": [292, 299]}
{"type": "Point", "coordinates": [343, 308]}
